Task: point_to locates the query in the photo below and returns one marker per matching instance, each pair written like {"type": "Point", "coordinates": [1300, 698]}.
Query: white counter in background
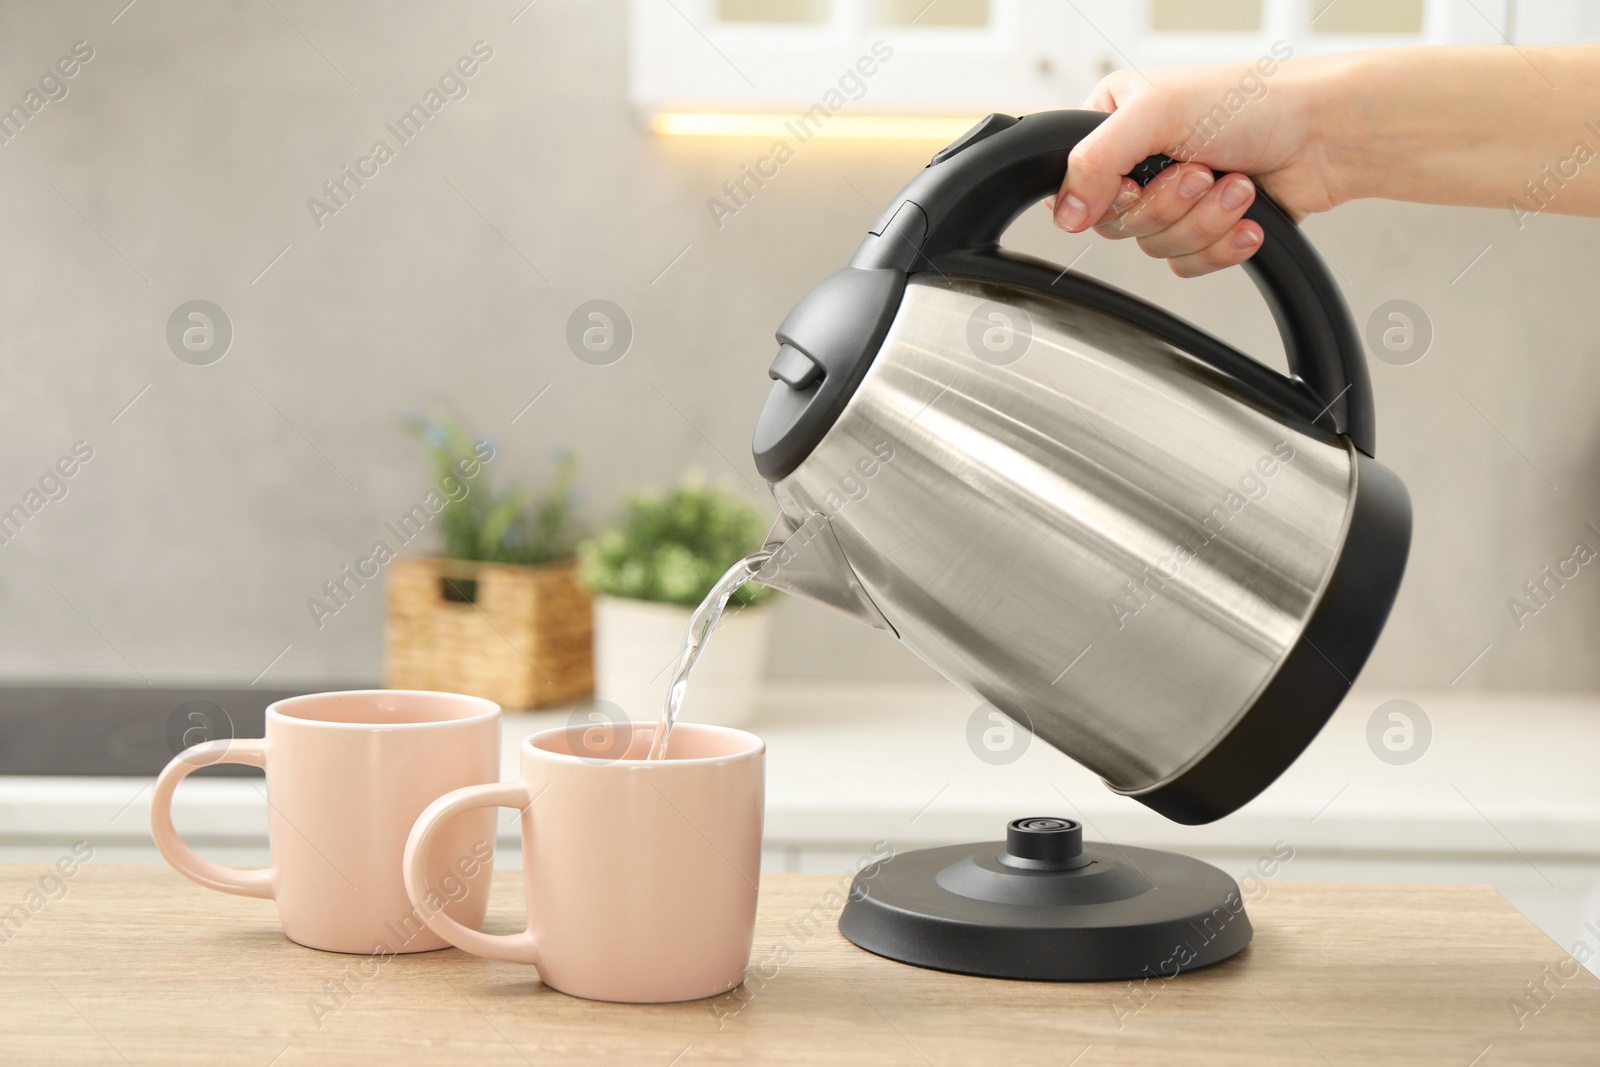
{"type": "Point", "coordinates": [1507, 793]}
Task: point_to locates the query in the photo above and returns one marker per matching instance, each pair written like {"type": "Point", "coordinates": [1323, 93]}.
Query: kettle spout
{"type": "Point", "coordinates": [806, 561]}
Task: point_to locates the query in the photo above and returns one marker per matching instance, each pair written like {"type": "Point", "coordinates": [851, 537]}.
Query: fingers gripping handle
{"type": "Point", "coordinates": [244, 883]}
{"type": "Point", "coordinates": [515, 948]}
{"type": "Point", "coordinates": [966, 201]}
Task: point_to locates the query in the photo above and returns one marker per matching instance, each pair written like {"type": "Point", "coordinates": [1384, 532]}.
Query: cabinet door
{"type": "Point", "coordinates": [957, 58]}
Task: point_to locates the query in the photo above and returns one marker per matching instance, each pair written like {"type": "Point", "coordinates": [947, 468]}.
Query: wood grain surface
{"type": "Point", "coordinates": [136, 965]}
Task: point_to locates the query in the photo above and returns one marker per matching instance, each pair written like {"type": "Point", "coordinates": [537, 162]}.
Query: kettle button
{"type": "Point", "coordinates": [794, 368]}
{"type": "Point", "coordinates": [987, 127]}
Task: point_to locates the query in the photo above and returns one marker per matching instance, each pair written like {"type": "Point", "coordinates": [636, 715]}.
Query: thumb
{"type": "Point", "coordinates": [1096, 167]}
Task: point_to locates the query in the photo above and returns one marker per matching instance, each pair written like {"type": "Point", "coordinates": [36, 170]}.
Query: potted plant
{"type": "Point", "coordinates": [500, 614]}
{"type": "Point", "coordinates": [649, 572]}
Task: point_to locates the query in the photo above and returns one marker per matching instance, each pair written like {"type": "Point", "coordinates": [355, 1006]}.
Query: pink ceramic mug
{"type": "Point", "coordinates": [347, 775]}
{"type": "Point", "coordinates": [641, 875]}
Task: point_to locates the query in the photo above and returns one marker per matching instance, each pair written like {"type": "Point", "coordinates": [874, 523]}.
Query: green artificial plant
{"type": "Point", "coordinates": [672, 548]}
{"type": "Point", "coordinates": [481, 523]}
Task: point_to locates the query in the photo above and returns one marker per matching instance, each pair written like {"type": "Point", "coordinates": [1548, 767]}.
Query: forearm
{"type": "Point", "coordinates": [1467, 126]}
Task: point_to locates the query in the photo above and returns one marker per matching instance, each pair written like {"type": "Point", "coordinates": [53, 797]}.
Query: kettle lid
{"type": "Point", "coordinates": [826, 343]}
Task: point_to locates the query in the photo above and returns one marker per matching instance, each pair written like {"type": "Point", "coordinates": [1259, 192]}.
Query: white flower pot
{"type": "Point", "coordinates": [636, 645]}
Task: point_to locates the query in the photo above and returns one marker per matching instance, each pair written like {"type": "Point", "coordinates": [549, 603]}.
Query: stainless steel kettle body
{"type": "Point", "coordinates": [1165, 559]}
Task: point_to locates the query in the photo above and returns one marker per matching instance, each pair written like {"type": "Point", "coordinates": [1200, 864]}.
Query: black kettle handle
{"type": "Point", "coordinates": [972, 192]}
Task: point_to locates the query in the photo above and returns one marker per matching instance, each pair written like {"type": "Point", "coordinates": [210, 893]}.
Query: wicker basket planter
{"type": "Point", "coordinates": [520, 636]}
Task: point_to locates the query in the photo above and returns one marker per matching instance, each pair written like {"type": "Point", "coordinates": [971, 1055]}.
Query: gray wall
{"type": "Point", "coordinates": [179, 165]}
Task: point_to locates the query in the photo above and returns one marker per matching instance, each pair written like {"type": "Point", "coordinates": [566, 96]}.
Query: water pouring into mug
{"type": "Point", "coordinates": [701, 624]}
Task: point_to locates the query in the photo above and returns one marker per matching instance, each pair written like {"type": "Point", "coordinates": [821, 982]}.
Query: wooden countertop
{"type": "Point", "coordinates": [136, 965]}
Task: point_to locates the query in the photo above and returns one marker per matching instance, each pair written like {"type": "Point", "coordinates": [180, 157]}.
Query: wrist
{"type": "Point", "coordinates": [1342, 123]}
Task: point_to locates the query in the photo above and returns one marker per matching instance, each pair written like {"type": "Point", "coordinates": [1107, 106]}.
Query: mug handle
{"type": "Point", "coordinates": [251, 752]}
{"type": "Point", "coordinates": [514, 948]}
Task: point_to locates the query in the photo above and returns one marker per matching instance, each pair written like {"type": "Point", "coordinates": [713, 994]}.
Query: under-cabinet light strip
{"type": "Point", "coordinates": [941, 128]}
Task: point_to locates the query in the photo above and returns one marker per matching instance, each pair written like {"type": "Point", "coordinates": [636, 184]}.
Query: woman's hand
{"type": "Point", "coordinates": [1254, 119]}
{"type": "Point", "coordinates": [1493, 127]}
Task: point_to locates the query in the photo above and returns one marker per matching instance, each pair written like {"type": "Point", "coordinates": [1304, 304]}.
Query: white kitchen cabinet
{"type": "Point", "coordinates": [960, 59]}
{"type": "Point", "coordinates": [883, 56]}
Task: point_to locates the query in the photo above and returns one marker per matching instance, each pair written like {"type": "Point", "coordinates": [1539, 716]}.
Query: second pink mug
{"type": "Point", "coordinates": [347, 775]}
{"type": "Point", "coordinates": [640, 875]}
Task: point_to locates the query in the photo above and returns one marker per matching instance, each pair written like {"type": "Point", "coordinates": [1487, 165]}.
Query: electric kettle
{"type": "Point", "coordinates": [1162, 557]}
